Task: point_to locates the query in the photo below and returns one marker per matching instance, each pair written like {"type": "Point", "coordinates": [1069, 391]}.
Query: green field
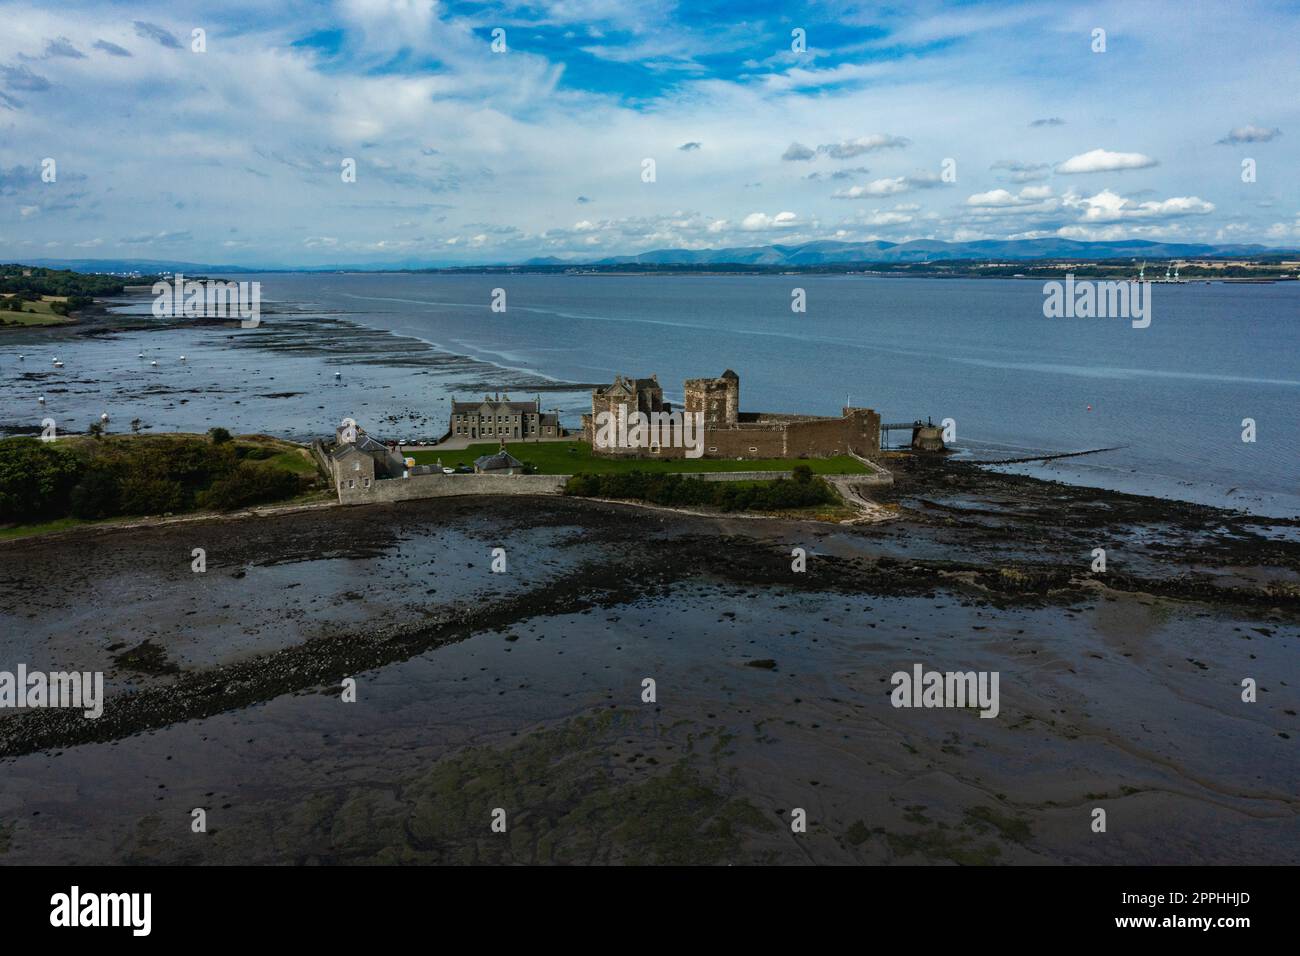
{"type": "Point", "coordinates": [574, 457]}
{"type": "Point", "coordinates": [36, 313]}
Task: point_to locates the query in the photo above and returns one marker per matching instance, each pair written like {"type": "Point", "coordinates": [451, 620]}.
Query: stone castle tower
{"type": "Point", "coordinates": [718, 398]}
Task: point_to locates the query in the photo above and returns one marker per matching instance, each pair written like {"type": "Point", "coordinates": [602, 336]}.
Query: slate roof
{"type": "Point", "coordinates": [497, 407]}
{"type": "Point", "coordinates": [500, 460]}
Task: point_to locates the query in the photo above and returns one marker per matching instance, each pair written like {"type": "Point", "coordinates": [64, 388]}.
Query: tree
{"type": "Point", "coordinates": [219, 436]}
{"type": "Point", "coordinates": [250, 484]}
{"type": "Point", "coordinates": [96, 494]}
{"type": "Point", "coordinates": [35, 479]}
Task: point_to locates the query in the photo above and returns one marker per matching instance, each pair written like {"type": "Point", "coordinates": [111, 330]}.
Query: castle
{"type": "Point", "coordinates": [727, 431]}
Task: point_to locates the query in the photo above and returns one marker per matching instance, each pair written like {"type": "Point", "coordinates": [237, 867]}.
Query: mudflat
{"type": "Point", "coordinates": [525, 690]}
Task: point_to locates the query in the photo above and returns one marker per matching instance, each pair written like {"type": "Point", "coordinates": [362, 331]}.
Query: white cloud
{"type": "Point", "coordinates": [996, 198]}
{"type": "Point", "coordinates": [760, 221]}
{"type": "Point", "coordinates": [847, 149]}
{"type": "Point", "coordinates": [1107, 206]}
{"type": "Point", "coordinates": [1250, 134]}
{"type": "Point", "coordinates": [1104, 161]}
{"type": "Point", "coordinates": [890, 186]}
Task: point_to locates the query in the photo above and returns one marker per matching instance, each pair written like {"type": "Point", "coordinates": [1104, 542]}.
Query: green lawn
{"type": "Point", "coordinates": [298, 462]}
{"type": "Point", "coordinates": [36, 313]}
{"type": "Point", "coordinates": [571, 457]}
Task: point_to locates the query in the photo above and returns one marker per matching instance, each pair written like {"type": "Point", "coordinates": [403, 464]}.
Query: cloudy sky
{"type": "Point", "coordinates": [922, 120]}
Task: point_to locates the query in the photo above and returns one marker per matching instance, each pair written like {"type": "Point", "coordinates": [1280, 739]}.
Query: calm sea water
{"type": "Point", "coordinates": [1174, 395]}
{"type": "Point", "coordinates": [977, 351]}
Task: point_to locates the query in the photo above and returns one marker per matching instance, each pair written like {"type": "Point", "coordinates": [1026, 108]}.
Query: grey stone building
{"type": "Point", "coordinates": [358, 460]}
{"type": "Point", "coordinates": [502, 463]}
{"type": "Point", "coordinates": [497, 418]}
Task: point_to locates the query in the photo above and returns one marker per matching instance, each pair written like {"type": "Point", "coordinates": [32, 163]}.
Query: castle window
{"type": "Point", "coordinates": [365, 482]}
{"type": "Point", "coordinates": [753, 451]}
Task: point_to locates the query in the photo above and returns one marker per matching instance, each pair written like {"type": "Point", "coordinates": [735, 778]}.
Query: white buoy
{"type": "Point", "coordinates": [141, 355]}
{"type": "Point", "coordinates": [154, 362]}
{"type": "Point", "coordinates": [20, 358]}
{"type": "Point", "coordinates": [104, 417]}
{"type": "Point", "coordinates": [40, 400]}
{"type": "Point", "coordinates": [182, 358]}
{"type": "Point", "coordinates": [338, 374]}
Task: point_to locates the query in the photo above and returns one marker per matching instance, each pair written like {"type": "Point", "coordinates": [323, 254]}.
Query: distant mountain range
{"type": "Point", "coordinates": [803, 255]}
{"type": "Point", "coordinates": [924, 250]}
{"type": "Point", "coordinates": [145, 266]}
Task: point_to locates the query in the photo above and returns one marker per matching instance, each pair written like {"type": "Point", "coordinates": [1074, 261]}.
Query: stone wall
{"type": "Point", "coordinates": [737, 475]}
{"type": "Point", "coordinates": [384, 490]}
{"type": "Point", "coordinates": [444, 486]}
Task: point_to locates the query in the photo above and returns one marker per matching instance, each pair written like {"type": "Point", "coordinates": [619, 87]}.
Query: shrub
{"type": "Point", "coordinates": [254, 452]}
{"type": "Point", "coordinates": [219, 436]}
{"type": "Point", "coordinates": [668, 489]}
{"type": "Point", "coordinates": [149, 495]}
{"type": "Point", "coordinates": [96, 493]}
{"type": "Point", "coordinates": [250, 484]}
{"type": "Point", "coordinates": [36, 479]}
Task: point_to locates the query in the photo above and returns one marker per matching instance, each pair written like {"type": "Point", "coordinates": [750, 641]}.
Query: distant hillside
{"type": "Point", "coordinates": [142, 266]}
{"type": "Point", "coordinates": [806, 256]}
{"type": "Point", "coordinates": [929, 250]}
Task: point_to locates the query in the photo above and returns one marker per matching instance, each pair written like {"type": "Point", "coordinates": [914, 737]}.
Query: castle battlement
{"type": "Point", "coordinates": [729, 432]}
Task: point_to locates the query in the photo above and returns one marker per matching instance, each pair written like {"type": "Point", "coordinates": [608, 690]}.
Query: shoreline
{"type": "Point", "coordinates": [100, 320]}
{"type": "Point", "coordinates": [460, 669]}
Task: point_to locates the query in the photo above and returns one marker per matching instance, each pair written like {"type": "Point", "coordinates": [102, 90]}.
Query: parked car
{"type": "Point", "coordinates": [449, 471]}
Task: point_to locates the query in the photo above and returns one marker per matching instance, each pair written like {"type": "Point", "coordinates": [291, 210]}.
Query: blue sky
{"type": "Point", "coordinates": [951, 121]}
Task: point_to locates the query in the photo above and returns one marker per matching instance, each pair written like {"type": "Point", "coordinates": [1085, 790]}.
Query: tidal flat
{"type": "Point", "coordinates": [524, 691]}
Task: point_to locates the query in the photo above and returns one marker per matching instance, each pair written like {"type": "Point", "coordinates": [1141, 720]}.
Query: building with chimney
{"type": "Point", "coordinates": [497, 418]}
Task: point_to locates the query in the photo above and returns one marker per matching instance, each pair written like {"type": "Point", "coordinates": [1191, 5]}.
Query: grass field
{"type": "Point", "coordinates": [36, 313]}
{"type": "Point", "coordinates": [572, 457]}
